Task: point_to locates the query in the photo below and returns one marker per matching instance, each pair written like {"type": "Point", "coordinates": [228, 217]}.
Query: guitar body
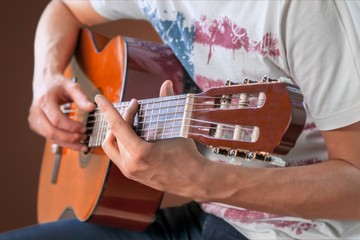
{"type": "Point", "coordinates": [88, 185]}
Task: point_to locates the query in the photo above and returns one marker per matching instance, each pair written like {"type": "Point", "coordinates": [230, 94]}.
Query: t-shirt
{"type": "Point", "coordinates": [314, 43]}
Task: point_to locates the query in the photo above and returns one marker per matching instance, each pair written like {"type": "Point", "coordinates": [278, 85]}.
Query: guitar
{"type": "Point", "coordinates": [251, 121]}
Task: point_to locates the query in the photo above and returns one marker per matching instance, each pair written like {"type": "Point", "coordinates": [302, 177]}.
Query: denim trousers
{"type": "Point", "coordinates": [185, 222]}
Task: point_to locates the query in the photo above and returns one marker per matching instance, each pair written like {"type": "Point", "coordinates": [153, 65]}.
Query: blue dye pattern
{"type": "Point", "coordinates": [174, 34]}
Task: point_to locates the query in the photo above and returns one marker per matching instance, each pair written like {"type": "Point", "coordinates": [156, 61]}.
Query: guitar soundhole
{"type": "Point", "coordinates": [84, 159]}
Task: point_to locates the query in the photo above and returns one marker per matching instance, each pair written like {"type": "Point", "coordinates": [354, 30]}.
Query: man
{"type": "Point", "coordinates": [315, 43]}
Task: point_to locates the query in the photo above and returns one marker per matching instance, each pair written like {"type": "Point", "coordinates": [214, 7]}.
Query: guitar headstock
{"type": "Point", "coordinates": [251, 119]}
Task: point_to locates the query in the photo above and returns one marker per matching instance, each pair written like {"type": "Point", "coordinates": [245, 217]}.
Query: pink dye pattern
{"type": "Point", "coordinates": [225, 33]}
{"type": "Point", "coordinates": [310, 126]}
{"type": "Point", "coordinates": [254, 217]}
{"type": "Point", "coordinates": [206, 83]}
{"type": "Point", "coordinates": [304, 162]}
{"type": "Point", "coordinates": [297, 227]}
{"type": "Point", "coordinates": [250, 216]}
{"type": "Point", "coordinates": [246, 215]}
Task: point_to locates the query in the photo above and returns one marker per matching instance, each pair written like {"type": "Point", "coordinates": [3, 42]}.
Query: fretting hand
{"type": "Point", "coordinates": [163, 165]}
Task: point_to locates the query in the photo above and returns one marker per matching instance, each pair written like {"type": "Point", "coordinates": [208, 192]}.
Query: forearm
{"type": "Point", "coordinates": [324, 190]}
{"type": "Point", "coordinates": [55, 39]}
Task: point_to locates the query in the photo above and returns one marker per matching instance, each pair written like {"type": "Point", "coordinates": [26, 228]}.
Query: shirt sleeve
{"type": "Point", "coordinates": [117, 9]}
{"type": "Point", "coordinates": [323, 55]}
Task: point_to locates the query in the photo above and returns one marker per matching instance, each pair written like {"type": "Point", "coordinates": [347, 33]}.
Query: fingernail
{"type": "Point", "coordinates": [84, 149]}
{"type": "Point", "coordinates": [170, 89]}
{"type": "Point", "coordinates": [98, 98]}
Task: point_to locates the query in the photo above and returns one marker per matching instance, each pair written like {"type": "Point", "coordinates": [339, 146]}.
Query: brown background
{"type": "Point", "coordinates": [21, 149]}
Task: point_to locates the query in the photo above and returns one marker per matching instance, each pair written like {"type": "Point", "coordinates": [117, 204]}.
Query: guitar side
{"type": "Point", "coordinates": [89, 185]}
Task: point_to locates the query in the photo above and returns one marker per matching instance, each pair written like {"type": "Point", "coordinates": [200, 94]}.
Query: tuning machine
{"type": "Point", "coordinates": [264, 79]}
{"type": "Point", "coordinates": [250, 156]}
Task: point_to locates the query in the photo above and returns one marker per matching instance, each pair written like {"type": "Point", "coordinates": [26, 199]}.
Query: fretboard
{"type": "Point", "coordinates": [156, 119]}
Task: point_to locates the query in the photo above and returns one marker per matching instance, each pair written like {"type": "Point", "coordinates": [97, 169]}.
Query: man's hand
{"type": "Point", "coordinates": [55, 41]}
{"type": "Point", "coordinates": [163, 165]}
{"type": "Point", "coordinates": [46, 117]}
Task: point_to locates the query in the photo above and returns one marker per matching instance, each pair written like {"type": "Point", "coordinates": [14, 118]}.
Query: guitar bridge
{"type": "Point", "coordinates": [250, 156]}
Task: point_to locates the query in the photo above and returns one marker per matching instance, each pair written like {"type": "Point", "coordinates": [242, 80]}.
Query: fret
{"type": "Point", "coordinates": [89, 127]}
{"type": "Point", "coordinates": [166, 119]}
{"type": "Point", "coordinates": [99, 128]}
{"type": "Point", "coordinates": [150, 121]}
{"type": "Point", "coordinates": [160, 114]}
{"type": "Point", "coordinates": [157, 114]}
{"type": "Point", "coordinates": [145, 120]}
{"type": "Point", "coordinates": [95, 128]}
{"type": "Point", "coordinates": [142, 120]}
{"type": "Point", "coordinates": [97, 124]}
{"type": "Point", "coordinates": [173, 123]}
{"type": "Point", "coordinates": [104, 130]}
{"type": "Point", "coordinates": [98, 135]}
{"type": "Point", "coordinates": [180, 110]}
{"type": "Point", "coordinates": [173, 104]}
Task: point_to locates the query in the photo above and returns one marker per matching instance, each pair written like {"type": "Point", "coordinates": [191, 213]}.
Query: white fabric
{"type": "Point", "coordinates": [315, 43]}
{"type": "Point", "coordinates": [114, 10]}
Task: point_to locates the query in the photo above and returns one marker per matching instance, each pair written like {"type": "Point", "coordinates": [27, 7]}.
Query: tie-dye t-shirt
{"type": "Point", "coordinates": [300, 40]}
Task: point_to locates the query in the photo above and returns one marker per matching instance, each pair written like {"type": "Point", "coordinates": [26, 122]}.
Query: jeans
{"type": "Point", "coordinates": [185, 222]}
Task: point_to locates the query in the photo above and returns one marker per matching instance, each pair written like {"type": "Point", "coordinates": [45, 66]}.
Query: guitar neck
{"type": "Point", "coordinates": [156, 119]}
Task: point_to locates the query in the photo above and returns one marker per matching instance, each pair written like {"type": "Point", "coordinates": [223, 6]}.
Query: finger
{"type": "Point", "coordinates": [79, 97]}
{"type": "Point", "coordinates": [60, 120]}
{"type": "Point", "coordinates": [131, 111]}
{"type": "Point", "coordinates": [166, 89]}
{"type": "Point", "coordinates": [110, 146]}
{"type": "Point", "coordinates": [42, 125]}
{"type": "Point", "coordinates": [118, 126]}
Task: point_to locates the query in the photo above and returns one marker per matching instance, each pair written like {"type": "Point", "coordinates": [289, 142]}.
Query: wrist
{"type": "Point", "coordinates": [45, 78]}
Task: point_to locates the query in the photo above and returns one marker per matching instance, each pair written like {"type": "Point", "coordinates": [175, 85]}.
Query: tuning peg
{"type": "Point", "coordinates": [237, 153]}
{"type": "Point", "coordinates": [222, 151]}
{"type": "Point", "coordinates": [266, 78]}
{"type": "Point", "coordinates": [251, 156]}
{"type": "Point", "coordinates": [265, 157]}
{"type": "Point", "coordinates": [228, 82]}
{"type": "Point", "coordinates": [248, 81]}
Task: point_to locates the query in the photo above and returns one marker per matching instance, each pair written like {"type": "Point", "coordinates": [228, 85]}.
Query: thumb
{"type": "Point", "coordinates": [166, 89]}
{"type": "Point", "coordinates": [78, 96]}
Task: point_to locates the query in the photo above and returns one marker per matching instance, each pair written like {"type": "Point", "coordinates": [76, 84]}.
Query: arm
{"type": "Point", "coordinates": [324, 190]}
{"type": "Point", "coordinates": [55, 40]}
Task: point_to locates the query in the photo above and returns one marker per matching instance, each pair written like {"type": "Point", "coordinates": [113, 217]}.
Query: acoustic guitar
{"type": "Point", "coordinates": [248, 121]}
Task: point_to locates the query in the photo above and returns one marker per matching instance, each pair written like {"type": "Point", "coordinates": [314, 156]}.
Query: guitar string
{"type": "Point", "coordinates": [126, 104]}
{"type": "Point", "coordinates": [162, 134]}
{"type": "Point", "coordinates": [175, 120]}
{"type": "Point", "coordinates": [165, 128]}
{"type": "Point", "coordinates": [164, 114]}
{"type": "Point", "coordinates": [69, 111]}
{"type": "Point", "coordinates": [170, 135]}
{"type": "Point", "coordinates": [191, 126]}
{"type": "Point", "coordinates": [161, 114]}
